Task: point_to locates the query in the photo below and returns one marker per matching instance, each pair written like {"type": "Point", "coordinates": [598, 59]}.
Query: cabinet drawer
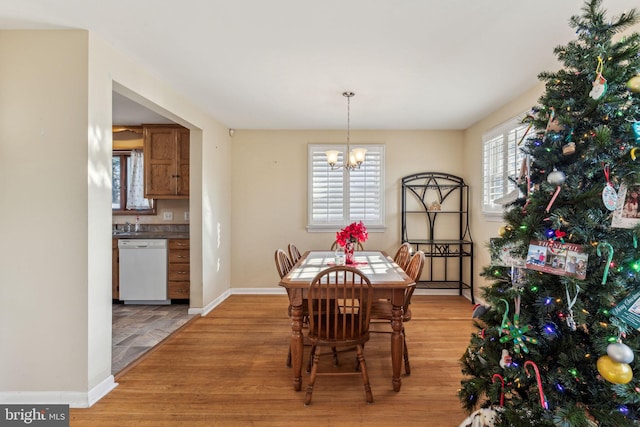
{"type": "Point", "coordinates": [178, 290]}
{"type": "Point", "coordinates": [179, 271]}
{"type": "Point", "coordinates": [179, 256]}
{"type": "Point", "coordinates": [178, 243]}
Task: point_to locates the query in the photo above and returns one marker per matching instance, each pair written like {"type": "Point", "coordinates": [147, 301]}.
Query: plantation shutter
{"type": "Point", "coordinates": [493, 171]}
{"type": "Point", "coordinates": [327, 190]}
{"type": "Point", "coordinates": [338, 197]}
{"type": "Point", "coordinates": [502, 158]}
{"type": "Point", "coordinates": [365, 189]}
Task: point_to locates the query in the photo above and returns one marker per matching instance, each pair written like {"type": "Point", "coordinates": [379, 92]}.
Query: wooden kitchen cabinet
{"type": "Point", "coordinates": [179, 269]}
{"type": "Point", "coordinates": [115, 270]}
{"type": "Point", "coordinates": [166, 162]}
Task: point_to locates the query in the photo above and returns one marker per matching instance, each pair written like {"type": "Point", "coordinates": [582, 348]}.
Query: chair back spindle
{"type": "Point", "coordinates": [403, 255]}
{"type": "Point", "coordinates": [294, 253]}
{"type": "Point", "coordinates": [283, 263]}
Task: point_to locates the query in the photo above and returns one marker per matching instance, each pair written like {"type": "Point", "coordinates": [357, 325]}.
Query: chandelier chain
{"type": "Point", "coordinates": [352, 158]}
{"type": "Point", "coordinates": [348, 95]}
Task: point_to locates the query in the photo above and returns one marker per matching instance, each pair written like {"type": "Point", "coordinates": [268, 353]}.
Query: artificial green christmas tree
{"type": "Point", "coordinates": [557, 341]}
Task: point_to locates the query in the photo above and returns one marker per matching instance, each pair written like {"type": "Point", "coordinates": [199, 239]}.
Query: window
{"type": "Point", "coordinates": [502, 158]}
{"type": "Point", "coordinates": [123, 196]}
{"type": "Point", "coordinates": [337, 197]}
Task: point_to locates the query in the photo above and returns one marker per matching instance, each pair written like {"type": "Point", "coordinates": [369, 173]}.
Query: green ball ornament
{"type": "Point", "coordinates": [620, 352]}
{"type": "Point", "coordinates": [614, 372]}
{"type": "Point", "coordinates": [634, 84]}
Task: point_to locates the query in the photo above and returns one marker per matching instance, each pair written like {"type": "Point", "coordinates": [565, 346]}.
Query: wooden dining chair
{"type": "Point", "coordinates": [283, 263]}
{"type": "Point", "coordinates": [339, 301]}
{"type": "Point", "coordinates": [403, 255]}
{"type": "Point", "coordinates": [381, 310]}
{"type": "Point", "coordinates": [294, 253]}
{"type": "Point", "coordinates": [359, 246]}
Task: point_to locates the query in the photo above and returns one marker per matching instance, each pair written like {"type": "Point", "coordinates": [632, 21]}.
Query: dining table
{"type": "Point", "coordinates": [388, 281]}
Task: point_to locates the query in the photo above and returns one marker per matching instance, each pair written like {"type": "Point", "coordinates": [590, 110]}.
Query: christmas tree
{"type": "Point", "coordinates": [557, 341]}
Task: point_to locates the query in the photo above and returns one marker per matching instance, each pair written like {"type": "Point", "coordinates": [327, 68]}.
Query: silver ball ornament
{"type": "Point", "coordinates": [556, 177]}
{"type": "Point", "coordinates": [620, 352]}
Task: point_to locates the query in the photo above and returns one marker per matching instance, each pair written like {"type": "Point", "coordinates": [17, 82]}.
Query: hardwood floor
{"type": "Point", "coordinates": [228, 369]}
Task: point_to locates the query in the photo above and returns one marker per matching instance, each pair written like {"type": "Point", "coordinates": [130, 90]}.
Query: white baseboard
{"type": "Point", "coordinates": [101, 390]}
{"type": "Point", "coordinates": [259, 291]}
{"type": "Point", "coordinates": [465, 292]}
{"type": "Point", "coordinates": [236, 291]}
{"type": "Point", "coordinates": [213, 304]}
{"type": "Point", "coordinates": [74, 399]}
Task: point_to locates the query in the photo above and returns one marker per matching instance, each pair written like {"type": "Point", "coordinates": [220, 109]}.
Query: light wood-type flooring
{"type": "Point", "coordinates": [228, 369]}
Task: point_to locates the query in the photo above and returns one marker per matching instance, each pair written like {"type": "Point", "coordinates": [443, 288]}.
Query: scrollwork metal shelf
{"type": "Point", "coordinates": [431, 196]}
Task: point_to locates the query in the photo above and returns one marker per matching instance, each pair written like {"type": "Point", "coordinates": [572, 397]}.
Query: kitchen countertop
{"type": "Point", "coordinates": [151, 235]}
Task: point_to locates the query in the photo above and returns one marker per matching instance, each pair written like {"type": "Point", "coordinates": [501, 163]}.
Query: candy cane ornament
{"type": "Point", "coordinates": [609, 259]}
{"type": "Point", "coordinates": [543, 399]}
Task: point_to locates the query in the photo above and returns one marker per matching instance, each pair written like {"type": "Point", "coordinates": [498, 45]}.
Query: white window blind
{"type": "Point", "coordinates": [502, 158]}
{"type": "Point", "coordinates": [338, 197]}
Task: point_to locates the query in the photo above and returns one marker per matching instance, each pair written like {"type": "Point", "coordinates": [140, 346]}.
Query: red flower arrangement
{"type": "Point", "coordinates": [354, 232]}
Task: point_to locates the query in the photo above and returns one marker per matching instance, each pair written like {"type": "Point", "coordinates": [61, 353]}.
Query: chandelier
{"type": "Point", "coordinates": [356, 156]}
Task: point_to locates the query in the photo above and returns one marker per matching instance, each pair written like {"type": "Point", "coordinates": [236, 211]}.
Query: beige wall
{"type": "Point", "coordinates": [482, 229]}
{"type": "Point", "coordinates": [43, 168]}
{"type": "Point", "coordinates": [55, 173]}
{"type": "Point", "coordinates": [269, 191]}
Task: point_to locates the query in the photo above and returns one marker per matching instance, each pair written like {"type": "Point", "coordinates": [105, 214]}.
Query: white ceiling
{"type": "Point", "coordinates": [283, 64]}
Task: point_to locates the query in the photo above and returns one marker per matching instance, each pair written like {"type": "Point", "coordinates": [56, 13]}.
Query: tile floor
{"type": "Point", "coordinates": [137, 328]}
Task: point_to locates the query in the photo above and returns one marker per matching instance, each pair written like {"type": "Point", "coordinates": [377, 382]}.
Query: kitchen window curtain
{"type": "Point", "coordinates": [135, 194]}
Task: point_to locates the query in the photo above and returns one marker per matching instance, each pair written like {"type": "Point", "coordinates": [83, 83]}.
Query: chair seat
{"type": "Point", "coordinates": [383, 310]}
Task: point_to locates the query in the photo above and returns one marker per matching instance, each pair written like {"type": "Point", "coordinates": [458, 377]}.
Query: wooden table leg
{"type": "Point", "coordinates": [296, 346]}
{"type": "Point", "coordinates": [397, 343]}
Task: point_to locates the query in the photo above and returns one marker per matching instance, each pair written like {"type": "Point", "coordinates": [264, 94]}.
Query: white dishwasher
{"type": "Point", "coordinates": [143, 271]}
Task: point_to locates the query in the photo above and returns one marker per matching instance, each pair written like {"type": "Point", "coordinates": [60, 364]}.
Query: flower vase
{"type": "Point", "coordinates": [348, 253]}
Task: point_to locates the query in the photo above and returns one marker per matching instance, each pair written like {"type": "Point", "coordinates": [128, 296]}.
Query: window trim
{"type": "Point", "coordinates": [332, 227]}
{"type": "Point", "coordinates": [492, 211]}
